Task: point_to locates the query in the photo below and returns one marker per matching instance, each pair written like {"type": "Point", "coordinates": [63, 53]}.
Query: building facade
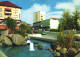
{"type": "Point", "coordinates": [39, 16]}
{"type": "Point", "coordinates": [47, 24]}
{"type": "Point", "coordinates": [8, 9]}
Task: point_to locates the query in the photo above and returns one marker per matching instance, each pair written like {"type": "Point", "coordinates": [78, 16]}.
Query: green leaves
{"type": "Point", "coordinates": [11, 23]}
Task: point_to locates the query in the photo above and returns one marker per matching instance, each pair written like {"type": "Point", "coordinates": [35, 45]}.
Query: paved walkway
{"type": "Point", "coordinates": [50, 36]}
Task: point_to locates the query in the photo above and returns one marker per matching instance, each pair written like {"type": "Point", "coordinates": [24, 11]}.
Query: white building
{"type": "Point", "coordinates": [47, 24]}
{"type": "Point", "coordinates": [39, 16]}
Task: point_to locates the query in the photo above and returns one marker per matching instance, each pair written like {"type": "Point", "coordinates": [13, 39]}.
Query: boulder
{"type": "Point", "coordinates": [2, 54]}
{"type": "Point", "coordinates": [64, 51]}
{"type": "Point", "coordinates": [72, 51]}
{"type": "Point", "coordinates": [4, 39]}
{"type": "Point", "coordinates": [27, 37]}
{"type": "Point", "coordinates": [18, 39]}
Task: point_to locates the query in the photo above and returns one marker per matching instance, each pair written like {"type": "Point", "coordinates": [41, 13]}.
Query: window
{"type": "Point", "coordinates": [15, 16]}
{"type": "Point", "coordinates": [15, 11]}
{"type": "Point", "coordinates": [0, 15]}
{"type": "Point", "coordinates": [0, 9]}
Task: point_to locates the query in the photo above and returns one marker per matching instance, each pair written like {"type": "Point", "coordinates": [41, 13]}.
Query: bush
{"type": "Point", "coordinates": [66, 39]}
{"type": "Point", "coordinates": [36, 42]}
{"type": "Point", "coordinates": [11, 23]}
{"type": "Point", "coordinates": [40, 47]}
{"type": "Point", "coordinates": [54, 30]}
{"type": "Point", "coordinates": [20, 33]}
{"type": "Point", "coordinates": [29, 31]}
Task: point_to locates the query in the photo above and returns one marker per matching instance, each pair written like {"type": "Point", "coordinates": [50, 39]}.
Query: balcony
{"type": "Point", "coordinates": [8, 13]}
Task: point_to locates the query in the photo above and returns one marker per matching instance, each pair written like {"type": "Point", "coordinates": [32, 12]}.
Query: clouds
{"type": "Point", "coordinates": [27, 15]}
{"type": "Point", "coordinates": [68, 5]}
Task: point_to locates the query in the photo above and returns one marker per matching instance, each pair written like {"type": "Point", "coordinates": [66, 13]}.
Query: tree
{"type": "Point", "coordinates": [76, 17]}
{"type": "Point", "coordinates": [23, 27]}
{"type": "Point", "coordinates": [11, 23]}
{"type": "Point", "coordinates": [67, 22]}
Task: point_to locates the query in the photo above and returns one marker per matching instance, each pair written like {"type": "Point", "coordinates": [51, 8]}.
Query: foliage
{"type": "Point", "coordinates": [11, 23]}
{"type": "Point", "coordinates": [36, 42]}
{"type": "Point", "coordinates": [54, 30]}
{"type": "Point", "coordinates": [20, 32]}
{"type": "Point", "coordinates": [66, 40]}
{"type": "Point", "coordinates": [23, 26]}
{"type": "Point", "coordinates": [29, 31]}
{"type": "Point", "coordinates": [41, 32]}
{"type": "Point", "coordinates": [40, 46]}
{"type": "Point", "coordinates": [69, 21]}
{"type": "Point", "coordinates": [75, 17]}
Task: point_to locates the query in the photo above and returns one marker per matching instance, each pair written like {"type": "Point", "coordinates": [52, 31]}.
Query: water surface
{"type": "Point", "coordinates": [24, 51]}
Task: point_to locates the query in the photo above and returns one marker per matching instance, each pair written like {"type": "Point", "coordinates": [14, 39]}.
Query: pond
{"type": "Point", "coordinates": [24, 51]}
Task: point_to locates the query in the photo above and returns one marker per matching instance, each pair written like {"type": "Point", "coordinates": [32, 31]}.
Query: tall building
{"type": "Point", "coordinates": [39, 16]}
{"type": "Point", "coordinates": [8, 9]}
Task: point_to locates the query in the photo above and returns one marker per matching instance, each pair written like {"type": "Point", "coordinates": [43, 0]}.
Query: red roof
{"type": "Point", "coordinates": [3, 27]}
{"type": "Point", "coordinates": [9, 4]}
{"type": "Point", "coordinates": [55, 19]}
{"type": "Point", "coordinates": [7, 9]}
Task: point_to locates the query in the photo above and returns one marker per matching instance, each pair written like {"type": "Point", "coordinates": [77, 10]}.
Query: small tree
{"type": "Point", "coordinates": [23, 27]}
{"type": "Point", "coordinates": [11, 23]}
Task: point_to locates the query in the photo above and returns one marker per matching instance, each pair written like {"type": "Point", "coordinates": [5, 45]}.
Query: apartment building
{"type": "Point", "coordinates": [8, 9]}
{"type": "Point", "coordinates": [39, 16]}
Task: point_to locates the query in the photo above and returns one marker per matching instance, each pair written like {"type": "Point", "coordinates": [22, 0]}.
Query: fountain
{"type": "Point", "coordinates": [31, 45]}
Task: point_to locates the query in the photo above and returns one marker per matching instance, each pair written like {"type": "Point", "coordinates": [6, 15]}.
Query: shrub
{"type": "Point", "coordinates": [54, 30]}
{"type": "Point", "coordinates": [40, 46]}
{"type": "Point", "coordinates": [11, 23]}
{"type": "Point", "coordinates": [20, 32]}
{"type": "Point", "coordinates": [66, 39]}
{"type": "Point", "coordinates": [36, 42]}
{"type": "Point", "coordinates": [29, 31]}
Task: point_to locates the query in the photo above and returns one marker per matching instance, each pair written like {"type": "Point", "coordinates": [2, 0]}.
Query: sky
{"type": "Point", "coordinates": [52, 8]}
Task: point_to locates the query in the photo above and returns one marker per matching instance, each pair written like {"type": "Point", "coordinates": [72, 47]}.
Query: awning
{"type": "Point", "coordinates": [7, 9]}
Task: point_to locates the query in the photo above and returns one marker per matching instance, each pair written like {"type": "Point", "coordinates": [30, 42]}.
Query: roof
{"type": "Point", "coordinates": [9, 4]}
{"type": "Point", "coordinates": [55, 19]}
{"type": "Point", "coordinates": [5, 27]}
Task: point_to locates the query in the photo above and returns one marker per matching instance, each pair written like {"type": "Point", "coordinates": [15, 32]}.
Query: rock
{"type": "Point", "coordinates": [50, 49]}
{"type": "Point", "coordinates": [56, 53]}
{"type": "Point", "coordinates": [63, 51]}
{"type": "Point", "coordinates": [58, 48]}
{"type": "Point", "coordinates": [2, 54]}
{"type": "Point", "coordinates": [27, 37]}
{"type": "Point", "coordinates": [6, 41]}
{"type": "Point", "coordinates": [1, 44]}
{"type": "Point", "coordinates": [79, 49]}
{"type": "Point", "coordinates": [5, 33]}
{"type": "Point", "coordinates": [72, 51]}
{"type": "Point", "coordinates": [18, 39]}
